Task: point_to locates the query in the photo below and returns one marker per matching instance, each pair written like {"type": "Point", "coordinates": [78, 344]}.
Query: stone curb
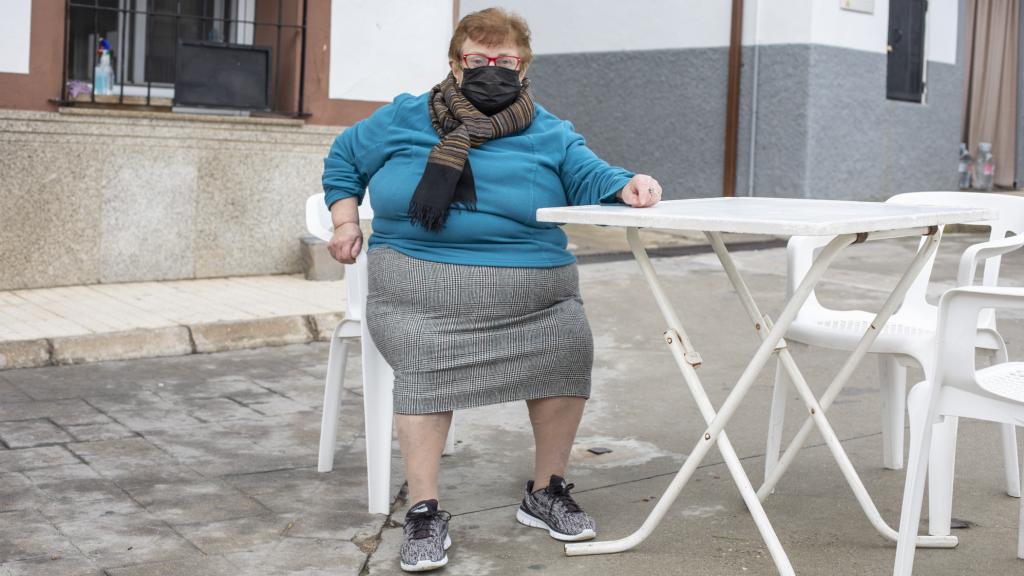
{"type": "Point", "coordinates": [168, 341]}
{"type": "Point", "coordinates": [126, 345]}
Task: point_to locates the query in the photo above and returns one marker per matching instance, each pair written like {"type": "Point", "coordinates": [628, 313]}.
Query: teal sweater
{"type": "Point", "coordinates": [548, 164]}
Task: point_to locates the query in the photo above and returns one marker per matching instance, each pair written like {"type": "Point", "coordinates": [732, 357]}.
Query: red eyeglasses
{"type": "Point", "coordinates": [478, 60]}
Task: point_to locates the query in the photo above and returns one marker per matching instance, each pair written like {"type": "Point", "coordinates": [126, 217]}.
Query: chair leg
{"type": "Point", "coordinates": [336, 360]}
{"type": "Point", "coordinates": [940, 477]}
{"type": "Point", "coordinates": [449, 443]}
{"type": "Point", "coordinates": [1020, 531]}
{"type": "Point", "coordinates": [1008, 433]}
{"type": "Point", "coordinates": [776, 419]}
{"type": "Point", "coordinates": [913, 492]}
{"type": "Point", "coordinates": [378, 380]}
{"type": "Point", "coordinates": [893, 379]}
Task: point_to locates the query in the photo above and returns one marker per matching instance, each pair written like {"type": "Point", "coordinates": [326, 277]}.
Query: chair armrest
{"type": "Point", "coordinates": [958, 327]}
{"type": "Point", "coordinates": [983, 251]}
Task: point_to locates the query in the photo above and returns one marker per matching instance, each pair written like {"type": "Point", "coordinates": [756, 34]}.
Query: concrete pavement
{"type": "Point", "coordinates": [206, 464]}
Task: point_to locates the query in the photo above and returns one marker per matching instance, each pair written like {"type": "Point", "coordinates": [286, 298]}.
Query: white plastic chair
{"type": "Point", "coordinates": [378, 378]}
{"type": "Point", "coordinates": [956, 389]}
{"type": "Point", "coordinates": [908, 337]}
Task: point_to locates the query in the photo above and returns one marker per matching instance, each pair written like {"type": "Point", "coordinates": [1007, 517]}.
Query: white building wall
{"type": "Point", "coordinates": [15, 35]}
{"type": "Point", "coordinates": [382, 48]}
{"type": "Point", "coordinates": [833, 26]}
{"type": "Point", "coordinates": [576, 26]}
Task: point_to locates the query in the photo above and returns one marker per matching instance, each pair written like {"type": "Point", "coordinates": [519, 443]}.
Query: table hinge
{"type": "Point", "coordinates": [689, 354]}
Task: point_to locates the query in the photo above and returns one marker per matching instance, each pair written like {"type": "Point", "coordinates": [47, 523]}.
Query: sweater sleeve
{"type": "Point", "coordinates": [359, 151]}
{"type": "Point", "coordinates": [586, 178]}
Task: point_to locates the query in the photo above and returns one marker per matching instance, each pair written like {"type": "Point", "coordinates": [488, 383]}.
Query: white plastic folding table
{"type": "Point", "coordinates": [850, 223]}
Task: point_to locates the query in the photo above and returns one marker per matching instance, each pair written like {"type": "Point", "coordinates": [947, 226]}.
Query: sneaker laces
{"type": "Point", "coordinates": [422, 525]}
{"type": "Point", "coordinates": [560, 493]}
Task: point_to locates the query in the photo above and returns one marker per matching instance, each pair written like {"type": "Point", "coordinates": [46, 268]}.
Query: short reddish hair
{"type": "Point", "coordinates": [491, 27]}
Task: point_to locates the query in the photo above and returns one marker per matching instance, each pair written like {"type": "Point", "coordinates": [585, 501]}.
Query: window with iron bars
{"type": "Point", "coordinates": [144, 36]}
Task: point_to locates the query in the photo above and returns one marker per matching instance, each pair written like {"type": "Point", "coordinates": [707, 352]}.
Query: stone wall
{"type": "Point", "coordinates": [89, 196]}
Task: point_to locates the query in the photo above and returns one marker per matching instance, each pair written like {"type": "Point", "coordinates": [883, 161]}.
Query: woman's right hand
{"type": "Point", "coordinates": [346, 243]}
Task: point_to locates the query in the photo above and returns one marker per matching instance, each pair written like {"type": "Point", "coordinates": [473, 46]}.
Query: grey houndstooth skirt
{"type": "Point", "coordinates": [460, 336]}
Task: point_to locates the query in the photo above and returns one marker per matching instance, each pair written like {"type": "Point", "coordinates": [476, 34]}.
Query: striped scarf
{"type": "Point", "coordinates": [448, 179]}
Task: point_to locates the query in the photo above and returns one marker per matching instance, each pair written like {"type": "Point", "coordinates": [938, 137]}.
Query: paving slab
{"type": "Point", "coordinates": [224, 536]}
{"type": "Point", "coordinates": [27, 433]}
{"type": "Point", "coordinates": [16, 460]}
{"type": "Point", "coordinates": [136, 459]}
{"type": "Point", "coordinates": [74, 564]}
{"type": "Point", "coordinates": [101, 431]}
{"type": "Point", "coordinates": [65, 382]}
{"type": "Point", "coordinates": [19, 493]}
{"type": "Point", "coordinates": [70, 412]}
{"type": "Point", "coordinates": [213, 450]}
{"type": "Point", "coordinates": [306, 556]}
{"type": "Point", "coordinates": [27, 534]}
{"type": "Point", "coordinates": [77, 492]}
{"type": "Point", "coordinates": [195, 501]}
{"type": "Point", "coordinates": [319, 504]}
{"type": "Point", "coordinates": [124, 539]}
{"type": "Point", "coordinates": [204, 565]}
{"type": "Point", "coordinates": [10, 393]}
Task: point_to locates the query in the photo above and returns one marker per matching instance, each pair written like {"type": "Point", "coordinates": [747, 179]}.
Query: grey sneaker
{"type": "Point", "coordinates": [554, 510]}
{"type": "Point", "coordinates": [426, 538]}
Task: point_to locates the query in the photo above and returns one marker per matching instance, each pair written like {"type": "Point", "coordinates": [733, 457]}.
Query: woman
{"type": "Point", "coordinates": [471, 300]}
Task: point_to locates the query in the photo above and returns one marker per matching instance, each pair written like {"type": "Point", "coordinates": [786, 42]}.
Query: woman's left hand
{"type": "Point", "coordinates": [641, 191]}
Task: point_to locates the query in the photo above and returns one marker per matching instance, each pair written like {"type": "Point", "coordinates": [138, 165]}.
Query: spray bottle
{"type": "Point", "coordinates": [103, 79]}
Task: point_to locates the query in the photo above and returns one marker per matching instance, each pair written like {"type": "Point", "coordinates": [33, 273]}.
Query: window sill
{"type": "Point", "coordinates": [156, 111]}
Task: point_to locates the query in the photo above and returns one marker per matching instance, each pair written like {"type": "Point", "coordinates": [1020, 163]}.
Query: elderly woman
{"type": "Point", "coordinates": [471, 300]}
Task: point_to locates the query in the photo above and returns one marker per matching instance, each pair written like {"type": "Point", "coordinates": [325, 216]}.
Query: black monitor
{"type": "Point", "coordinates": [218, 75]}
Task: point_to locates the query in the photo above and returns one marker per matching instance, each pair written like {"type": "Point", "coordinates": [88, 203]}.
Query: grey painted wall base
{"type": "Point", "coordinates": [659, 112]}
{"type": "Point", "coordinates": [824, 126]}
{"type": "Point", "coordinates": [861, 145]}
{"type": "Point", "coordinates": [108, 198]}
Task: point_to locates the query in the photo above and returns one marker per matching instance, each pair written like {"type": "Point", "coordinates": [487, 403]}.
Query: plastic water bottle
{"type": "Point", "coordinates": [103, 75]}
{"type": "Point", "coordinates": [964, 167]}
{"type": "Point", "coordinates": [984, 167]}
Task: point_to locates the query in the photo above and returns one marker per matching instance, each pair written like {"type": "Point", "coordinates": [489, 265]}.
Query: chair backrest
{"type": "Point", "coordinates": [1010, 209]}
{"type": "Point", "coordinates": [319, 224]}
{"type": "Point", "coordinates": [959, 309]}
{"type": "Point", "coordinates": [1009, 219]}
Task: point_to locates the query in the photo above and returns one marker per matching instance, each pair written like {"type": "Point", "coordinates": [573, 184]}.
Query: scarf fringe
{"type": "Point", "coordinates": [430, 217]}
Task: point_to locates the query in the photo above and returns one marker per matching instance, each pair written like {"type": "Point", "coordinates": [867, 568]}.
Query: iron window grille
{"type": "Point", "coordinates": [144, 35]}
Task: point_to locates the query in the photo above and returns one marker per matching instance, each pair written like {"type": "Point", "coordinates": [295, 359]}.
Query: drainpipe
{"type": "Point", "coordinates": [753, 98]}
{"type": "Point", "coordinates": [732, 113]}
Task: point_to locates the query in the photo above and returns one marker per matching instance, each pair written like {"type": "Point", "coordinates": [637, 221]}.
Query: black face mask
{"type": "Point", "coordinates": [490, 88]}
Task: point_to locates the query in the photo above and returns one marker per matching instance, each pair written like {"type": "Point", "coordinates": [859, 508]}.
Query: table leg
{"type": "Point", "coordinates": [687, 359]}
{"type": "Point", "coordinates": [817, 409]}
